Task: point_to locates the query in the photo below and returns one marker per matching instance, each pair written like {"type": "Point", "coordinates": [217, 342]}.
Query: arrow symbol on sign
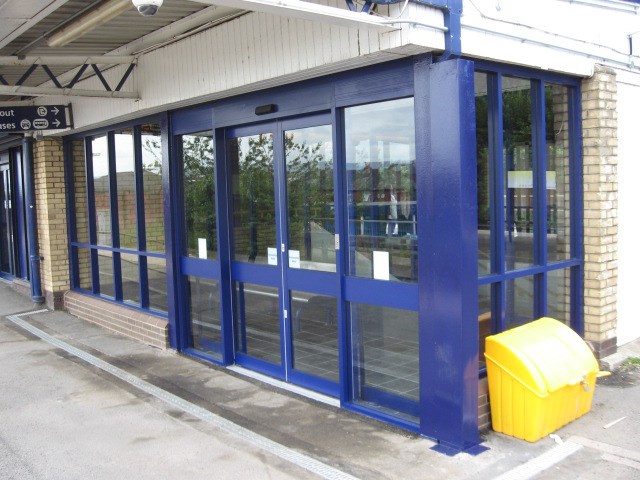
{"type": "Point", "coordinates": [56, 123]}
{"type": "Point", "coordinates": [55, 110]}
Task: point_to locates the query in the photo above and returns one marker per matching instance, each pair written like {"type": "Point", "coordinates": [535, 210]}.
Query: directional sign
{"type": "Point", "coordinates": [22, 119]}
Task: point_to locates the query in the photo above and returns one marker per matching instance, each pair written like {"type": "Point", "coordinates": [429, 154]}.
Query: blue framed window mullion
{"type": "Point", "coordinates": [497, 184]}
{"type": "Point", "coordinates": [282, 243]}
{"type": "Point", "coordinates": [538, 132]}
{"type": "Point", "coordinates": [115, 226]}
{"type": "Point", "coordinates": [74, 271]}
{"type": "Point", "coordinates": [223, 212]}
{"type": "Point", "coordinates": [140, 227]}
{"type": "Point", "coordinates": [91, 208]}
{"type": "Point", "coordinates": [21, 243]}
{"type": "Point", "coordinates": [342, 229]}
{"type": "Point", "coordinates": [177, 219]}
{"type": "Point", "coordinates": [576, 208]}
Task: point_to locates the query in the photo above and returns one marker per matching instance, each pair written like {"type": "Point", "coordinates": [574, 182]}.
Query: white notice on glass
{"type": "Point", "coordinates": [202, 248]}
{"type": "Point", "coordinates": [294, 258]}
{"type": "Point", "coordinates": [272, 256]}
{"type": "Point", "coordinates": [381, 265]}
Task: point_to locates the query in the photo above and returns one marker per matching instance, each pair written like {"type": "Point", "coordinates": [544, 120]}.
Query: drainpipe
{"type": "Point", "coordinates": [32, 224]}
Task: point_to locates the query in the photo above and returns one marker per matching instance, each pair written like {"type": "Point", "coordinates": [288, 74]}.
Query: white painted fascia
{"type": "Point", "coordinates": [506, 34]}
{"type": "Point", "coordinates": [307, 11]}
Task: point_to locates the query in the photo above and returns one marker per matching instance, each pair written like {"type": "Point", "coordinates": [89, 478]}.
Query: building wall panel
{"type": "Point", "coordinates": [628, 202]}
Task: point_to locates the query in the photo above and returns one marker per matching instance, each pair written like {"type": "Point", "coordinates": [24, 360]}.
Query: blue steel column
{"type": "Point", "coordinates": [32, 226]}
{"type": "Point", "coordinates": [170, 222]}
{"type": "Point", "coordinates": [448, 252]}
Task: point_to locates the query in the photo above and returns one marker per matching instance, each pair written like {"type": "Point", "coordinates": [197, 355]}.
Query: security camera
{"type": "Point", "coordinates": [147, 7]}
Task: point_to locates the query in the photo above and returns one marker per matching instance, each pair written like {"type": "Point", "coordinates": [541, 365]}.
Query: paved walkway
{"type": "Point", "coordinates": [77, 402]}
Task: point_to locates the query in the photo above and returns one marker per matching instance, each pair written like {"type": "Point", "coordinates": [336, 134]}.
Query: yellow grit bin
{"type": "Point", "coordinates": [541, 376]}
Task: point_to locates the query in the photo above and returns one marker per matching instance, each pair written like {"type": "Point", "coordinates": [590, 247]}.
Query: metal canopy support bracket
{"type": "Point", "coordinates": [452, 10]}
{"type": "Point", "coordinates": [33, 63]}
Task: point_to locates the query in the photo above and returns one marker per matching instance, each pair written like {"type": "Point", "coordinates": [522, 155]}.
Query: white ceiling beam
{"type": "Point", "coordinates": [307, 11]}
{"type": "Point", "coordinates": [67, 92]}
{"type": "Point", "coordinates": [66, 60]}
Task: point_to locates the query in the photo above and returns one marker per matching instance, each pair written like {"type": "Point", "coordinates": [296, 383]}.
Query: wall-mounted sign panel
{"type": "Point", "coordinates": [29, 119]}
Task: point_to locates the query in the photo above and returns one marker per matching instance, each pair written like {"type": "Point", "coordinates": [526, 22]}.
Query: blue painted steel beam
{"type": "Point", "coordinates": [452, 10]}
{"type": "Point", "coordinates": [22, 268]}
{"type": "Point", "coordinates": [447, 245]}
{"type": "Point", "coordinates": [498, 242]}
{"type": "Point", "coordinates": [223, 187]}
{"type": "Point", "coordinates": [32, 227]}
{"type": "Point", "coordinates": [171, 218]}
{"type": "Point", "coordinates": [140, 217]}
{"type": "Point", "coordinates": [576, 206]}
{"type": "Point", "coordinates": [539, 147]}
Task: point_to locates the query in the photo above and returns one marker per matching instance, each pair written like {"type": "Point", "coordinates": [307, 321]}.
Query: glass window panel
{"type": "Point", "coordinates": [101, 190]}
{"type": "Point", "coordinates": [205, 315]}
{"type": "Point", "coordinates": [199, 194]}
{"type": "Point", "coordinates": [84, 268]}
{"type": "Point", "coordinates": [309, 164]}
{"type": "Point", "coordinates": [484, 319]}
{"type": "Point", "coordinates": [518, 168]}
{"type": "Point", "coordinates": [126, 188]}
{"type": "Point", "coordinates": [381, 178]}
{"type": "Point", "coordinates": [157, 278]}
{"type": "Point", "coordinates": [130, 278]}
{"type": "Point", "coordinates": [315, 334]}
{"type": "Point", "coordinates": [152, 187]}
{"type": "Point", "coordinates": [484, 196]}
{"type": "Point", "coordinates": [385, 357]}
{"type": "Point", "coordinates": [6, 221]}
{"type": "Point", "coordinates": [559, 295]}
{"type": "Point", "coordinates": [254, 215]}
{"type": "Point", "coordinates": [519, 301]}
{"type": "Point", "coordinates": [105, 269]}
{"type": "Point", "coordinates": [80, 191]}
{"type": "Point", "coordinates": [558, 192]}
{"type": "Point", "coordinates": [257, 326]}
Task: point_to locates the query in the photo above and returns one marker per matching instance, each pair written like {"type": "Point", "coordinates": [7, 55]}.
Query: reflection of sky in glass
{"type": "Point", "coordinates": [124, 152]}
{"type": "Point", "coordinates": [371, 127]}
{"type": "Point", "coordinates": [100, 157]}
{"type": "Point", "coordinates": [151, 154]}
{"type": "Point", "coordinates": [311, 138]}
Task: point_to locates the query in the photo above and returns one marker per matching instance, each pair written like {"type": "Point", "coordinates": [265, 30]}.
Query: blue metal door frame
{"type": "Point", "coordinates": [281, 276]}
{"type": "Point", "coordinates": [445, 296]}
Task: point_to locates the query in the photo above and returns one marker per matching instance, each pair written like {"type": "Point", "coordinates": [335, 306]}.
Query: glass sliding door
{"type": "Point", "coordinates": [382, 272]}
{"type": "Point", "coordinates": [283, 250]}
{"type": "Point", "coordinates": [200, 267]}
{"type": "Point", "coordinates": [7, 227]}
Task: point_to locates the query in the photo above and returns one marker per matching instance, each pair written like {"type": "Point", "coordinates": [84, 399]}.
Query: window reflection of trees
{"type": "Point", "coordinates": [199, 191]}
{"type": "Point", "coordinates": [254, 221]}
{"type": "Point", "coordinates": [310, 193]}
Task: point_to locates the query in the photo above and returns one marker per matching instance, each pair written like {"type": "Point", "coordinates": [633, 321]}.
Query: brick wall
{"type": "Point", "coordinates": [51, 207]}
{"type": "Point", "coordinates": [138, 325]}
{"type": "Point", "coordinates": [484, 410]}
{"type": "Point", "coordinates": [600, 157]}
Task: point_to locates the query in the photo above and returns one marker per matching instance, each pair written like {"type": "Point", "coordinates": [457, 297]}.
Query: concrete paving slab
{"type": "Point", "coordinates": [356, 445]}
{"type": "Point", "coordinates": [12, 301]}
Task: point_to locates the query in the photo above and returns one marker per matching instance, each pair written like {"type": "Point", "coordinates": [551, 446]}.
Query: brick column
{"type": "Point", "coordinates": [51, 205]}
{"type": "Point", "coordinates": [600, 156]}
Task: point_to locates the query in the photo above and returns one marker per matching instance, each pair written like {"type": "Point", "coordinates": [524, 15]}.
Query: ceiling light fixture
{"type": "Point", "coordinates": [87, 22]}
